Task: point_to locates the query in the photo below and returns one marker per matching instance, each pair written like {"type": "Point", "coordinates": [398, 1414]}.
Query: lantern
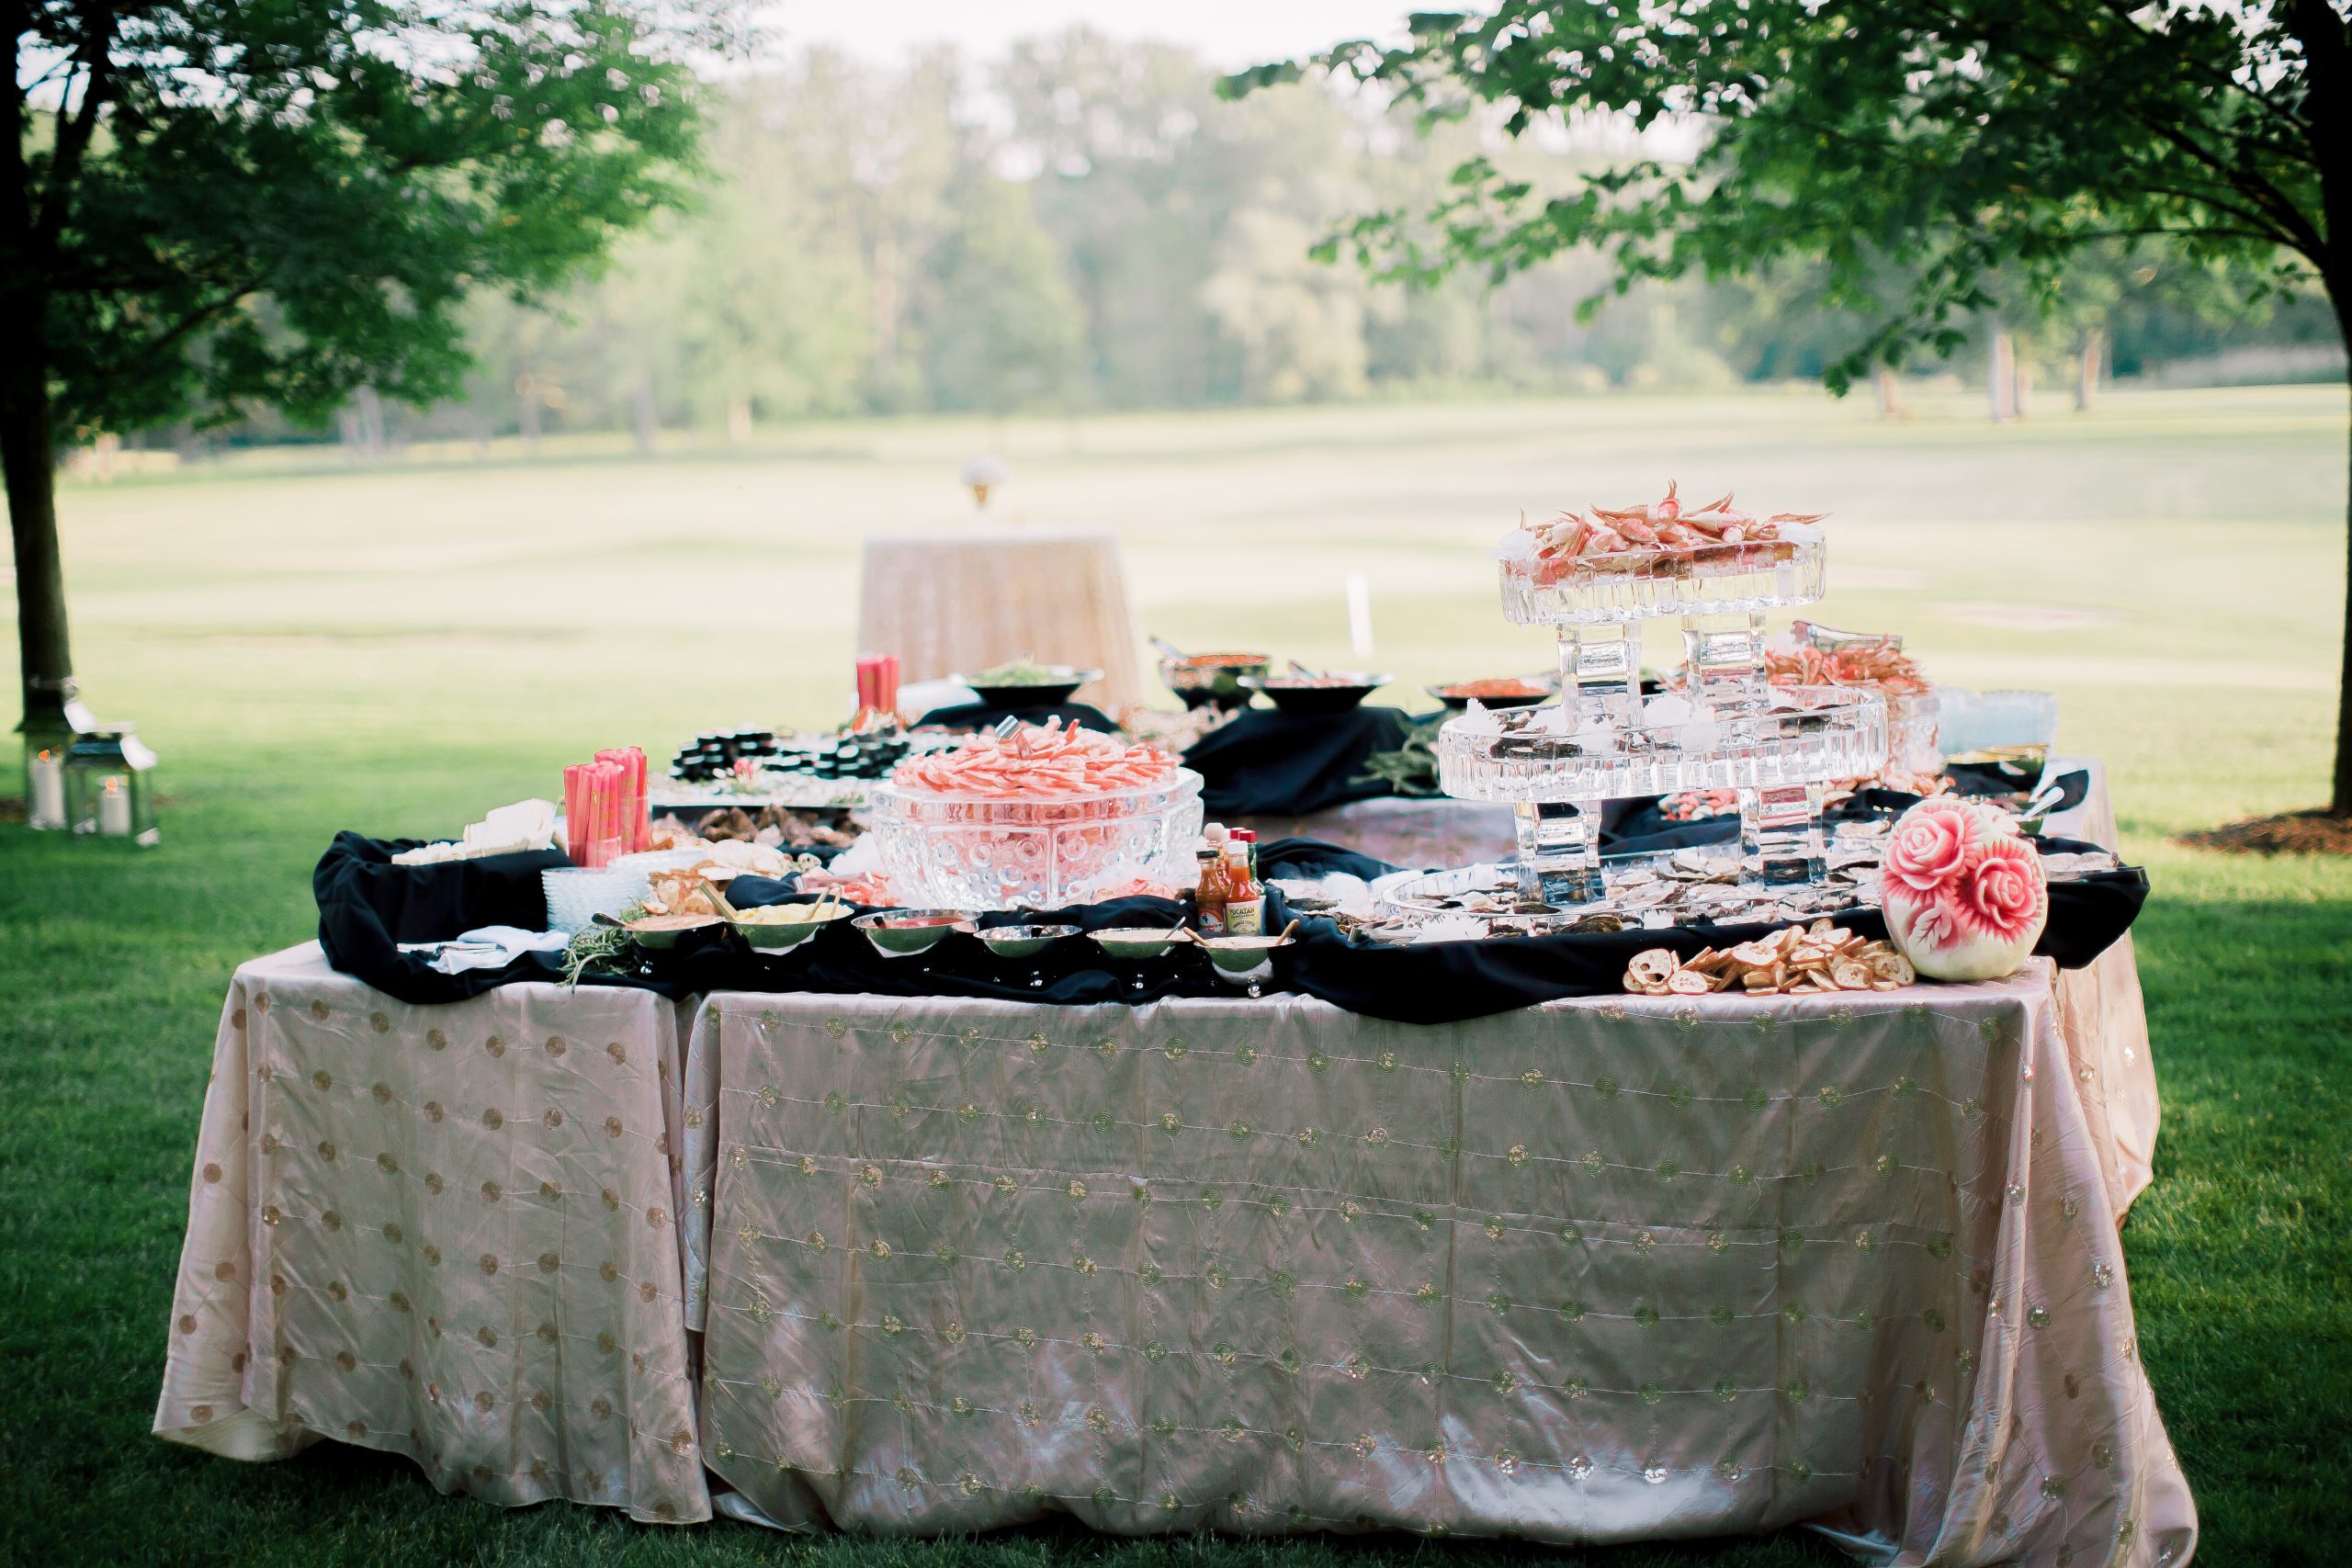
{"type": "Point", "coordinates": [110, 786]}
{"type": "Point", "coordinates": [50, 732]}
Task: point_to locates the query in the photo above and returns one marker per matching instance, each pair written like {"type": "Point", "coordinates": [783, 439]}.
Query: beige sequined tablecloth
{"type": "Point", "coordinates": [444, 1232]}
{"type": "Point", "coordinates": [1602, 1270]}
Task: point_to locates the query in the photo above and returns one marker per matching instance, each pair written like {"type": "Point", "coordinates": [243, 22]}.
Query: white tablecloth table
{"type": "Point", "coordinates": [1608, 1269]}
{"type": "Point", "coordinates": [445, 1231]}
{"type": "Point", "coordinates": [962, 600]}
{"type": "Point", "coordinates": [1605, 1269]}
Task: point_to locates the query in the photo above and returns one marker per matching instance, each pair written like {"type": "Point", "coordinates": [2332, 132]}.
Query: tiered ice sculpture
{"type": "Point", "coordinates": [1725, 727]}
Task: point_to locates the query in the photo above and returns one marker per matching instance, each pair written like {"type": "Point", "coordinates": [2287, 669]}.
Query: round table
{"type": "Point", "coordinates": [961, 600]}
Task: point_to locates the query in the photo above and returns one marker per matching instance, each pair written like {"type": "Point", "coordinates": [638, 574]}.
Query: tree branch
{"type": "Point", "coordinates": [73, 134]}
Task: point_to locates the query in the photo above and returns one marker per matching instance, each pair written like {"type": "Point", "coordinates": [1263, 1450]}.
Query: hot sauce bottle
{"type": "Point", "coordinates": [1245, 901]}
{"type": "Point", "coordinates": [1209, 897]}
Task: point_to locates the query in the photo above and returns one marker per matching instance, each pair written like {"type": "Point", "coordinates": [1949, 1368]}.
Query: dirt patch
{"type": "Point", "coordinates": [2295, 833]}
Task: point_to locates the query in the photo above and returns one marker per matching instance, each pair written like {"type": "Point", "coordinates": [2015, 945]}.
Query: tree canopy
{"type": "Point", "coordinates": [1925, 157]}
{"type": "Point", "coordinates": [209, 205]}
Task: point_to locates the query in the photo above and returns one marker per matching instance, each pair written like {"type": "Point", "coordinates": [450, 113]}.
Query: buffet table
{"type": "Point", "coordinates": [1610, 1269]}
{"type": "Point", "coordinates": [1602, 1270]}
{"type": "Point", "coordinates": [446, 1232]}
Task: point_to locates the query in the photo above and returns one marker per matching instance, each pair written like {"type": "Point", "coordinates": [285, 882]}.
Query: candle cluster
{"type": "Point", "coordinates": [606, 813]}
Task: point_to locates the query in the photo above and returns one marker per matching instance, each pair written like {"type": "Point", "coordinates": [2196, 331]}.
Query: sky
{"type": "Point", "coordinates": [1229, 33]}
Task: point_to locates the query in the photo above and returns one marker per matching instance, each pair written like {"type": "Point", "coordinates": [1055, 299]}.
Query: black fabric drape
{"type": "Point", "coordinates": [368, 907]}
{"type": "Point", "coordinates": [1266, 762]}
{"type": "Point", "coordinates": [363, 904]}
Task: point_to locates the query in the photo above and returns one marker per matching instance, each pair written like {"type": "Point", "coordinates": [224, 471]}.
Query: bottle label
{"type": "Point", "coordinates": [1246, 917]}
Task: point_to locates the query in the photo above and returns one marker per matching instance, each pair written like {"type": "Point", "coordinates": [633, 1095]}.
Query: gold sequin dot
{"type": "Point", "coordinates": [495, 1045]}
{"type": "Point", "coordinates": [657, 1218]}
{"type": "Point", "coordinates": [212, 1171]}
{"type": "Point", "coordinates": [612, 1126]}
{"type": "Point", "coordinates": [346, 1361]}
{"type": "Point", "coordinates": [188, 1323]}
{"type": "Point", "coordinates": [606, 1343]}
{"type": "Point", "coordinates": [338, 1290]}
{"type": "Point", "coordinates": [433, 1111]}
{"type": "Point", "coordinates": [488, 1335]}
{"type": "Point", "coordinates": [493, 1119]}
{"type": "Point", "coordinates": [489, 1263]}
{"type": "Point", "coordinates": [326, 1150]}
{"type": "Point", "coordinates": [437, 1039]}
{"type": "Point", "coordinates": [542, 1402]}
{"type": "Point", "coordinates": [379, 1023]}
{"type": "Point", "coordinates": [646, 1292]}
{"type": "Point", "coordinates": [617, 1053]}
{"type": "Point", "coordinates": [553, 1119]}
{"type": "Point", "coordinates": [556, 1046]}
{"type": "Point", "coordinates": [331, 1219]}
{"type": "Point", "coordinates": [433, 1184]}
{"type": "Point", "coordinates": [322, 1079]}
{"type": "Point", "coordinates": [612, 1200]}
{"type": "Point", "coordinates": [548, 1332]}
{"type": "Point", "coordinates": [225, 1271]}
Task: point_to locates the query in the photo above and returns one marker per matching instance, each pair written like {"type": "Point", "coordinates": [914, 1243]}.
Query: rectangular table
{"type": "Point", "coordinates": [444, 1232]}
{"type": "Point", "coordinates": [455, 1232]}
{"type": "Point", "coordinates": [1607, 1270]}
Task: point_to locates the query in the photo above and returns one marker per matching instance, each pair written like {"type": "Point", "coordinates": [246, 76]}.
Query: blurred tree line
{"type": "Point", "coordinates": [1086, 225]}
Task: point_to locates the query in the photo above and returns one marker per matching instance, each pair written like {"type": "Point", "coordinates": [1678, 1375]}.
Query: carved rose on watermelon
{"type": "Point", "coordinates": [1932, 843]}
{"type": "Point", "coordinates": [1964, 894]}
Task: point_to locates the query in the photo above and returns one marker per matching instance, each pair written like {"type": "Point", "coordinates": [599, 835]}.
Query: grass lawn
{"type": "Point", "coordinates": [311, 647]}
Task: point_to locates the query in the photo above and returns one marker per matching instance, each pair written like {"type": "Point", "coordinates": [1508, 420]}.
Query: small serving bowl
{"type": "Point", "coordinates": [1022, 942]}
{"type": "Point", "coordinates": [1534, 688]}
{"type": "Point", "coordinates": [780, 936]}
{"type": "Point", "coordinates": [902, 933]}
{"type": "Point", "coordinates": [1240, 955]}
{"type": "Point", "coordinates": [1336, 691]}
{"type": "Point", "coordinates": [1212, 680]}
{"type": "Point", "coordinates": [1137, 944]}
{"type": "Point", "coordinates": [667, 935]}
{"type": "Point", "coordinates": [1067, 679]}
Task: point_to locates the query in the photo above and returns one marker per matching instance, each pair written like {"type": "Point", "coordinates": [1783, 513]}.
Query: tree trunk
{"type": "Point", "coordinates": [29, 457]}
{"type": "Point", "coordinates": [2000, 376]}
{"type": "Point", "coordinates": [2340, 798]}
{"type": "Point", "coordinates": [644, 416]}
{"type": "Point", "coordinates": [2086, 373]}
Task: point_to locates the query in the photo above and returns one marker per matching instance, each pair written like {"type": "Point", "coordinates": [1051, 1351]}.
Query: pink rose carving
{"type": "Point", "coordinates": [2001, 896]}
{"type": "Point", "coordinates": [1962, 891]}
{"type": "Point", "coordinates": [1931, 844]}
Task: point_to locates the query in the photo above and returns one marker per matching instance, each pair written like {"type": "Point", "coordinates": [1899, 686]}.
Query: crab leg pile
{"type": "Point", "coordinates": [1663, 525]}
{"type": "Point", "coordinates": [1036, 760]}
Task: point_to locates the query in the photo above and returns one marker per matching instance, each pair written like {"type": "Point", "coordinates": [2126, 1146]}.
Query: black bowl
{"type": "Point", "coordinates": [1304, 700]}
{"type": "Point", "coordinates": [1547, 688]}
{"type": "Point", "coordinates": [1033, 694]}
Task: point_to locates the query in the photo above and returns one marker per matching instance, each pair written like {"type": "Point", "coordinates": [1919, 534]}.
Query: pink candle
{"type": "Point", "coordinates": [575, 813]}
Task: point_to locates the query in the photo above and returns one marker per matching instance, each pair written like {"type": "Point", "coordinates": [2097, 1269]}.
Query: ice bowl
{"type": "Point", "coordinates": [975, 851]}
